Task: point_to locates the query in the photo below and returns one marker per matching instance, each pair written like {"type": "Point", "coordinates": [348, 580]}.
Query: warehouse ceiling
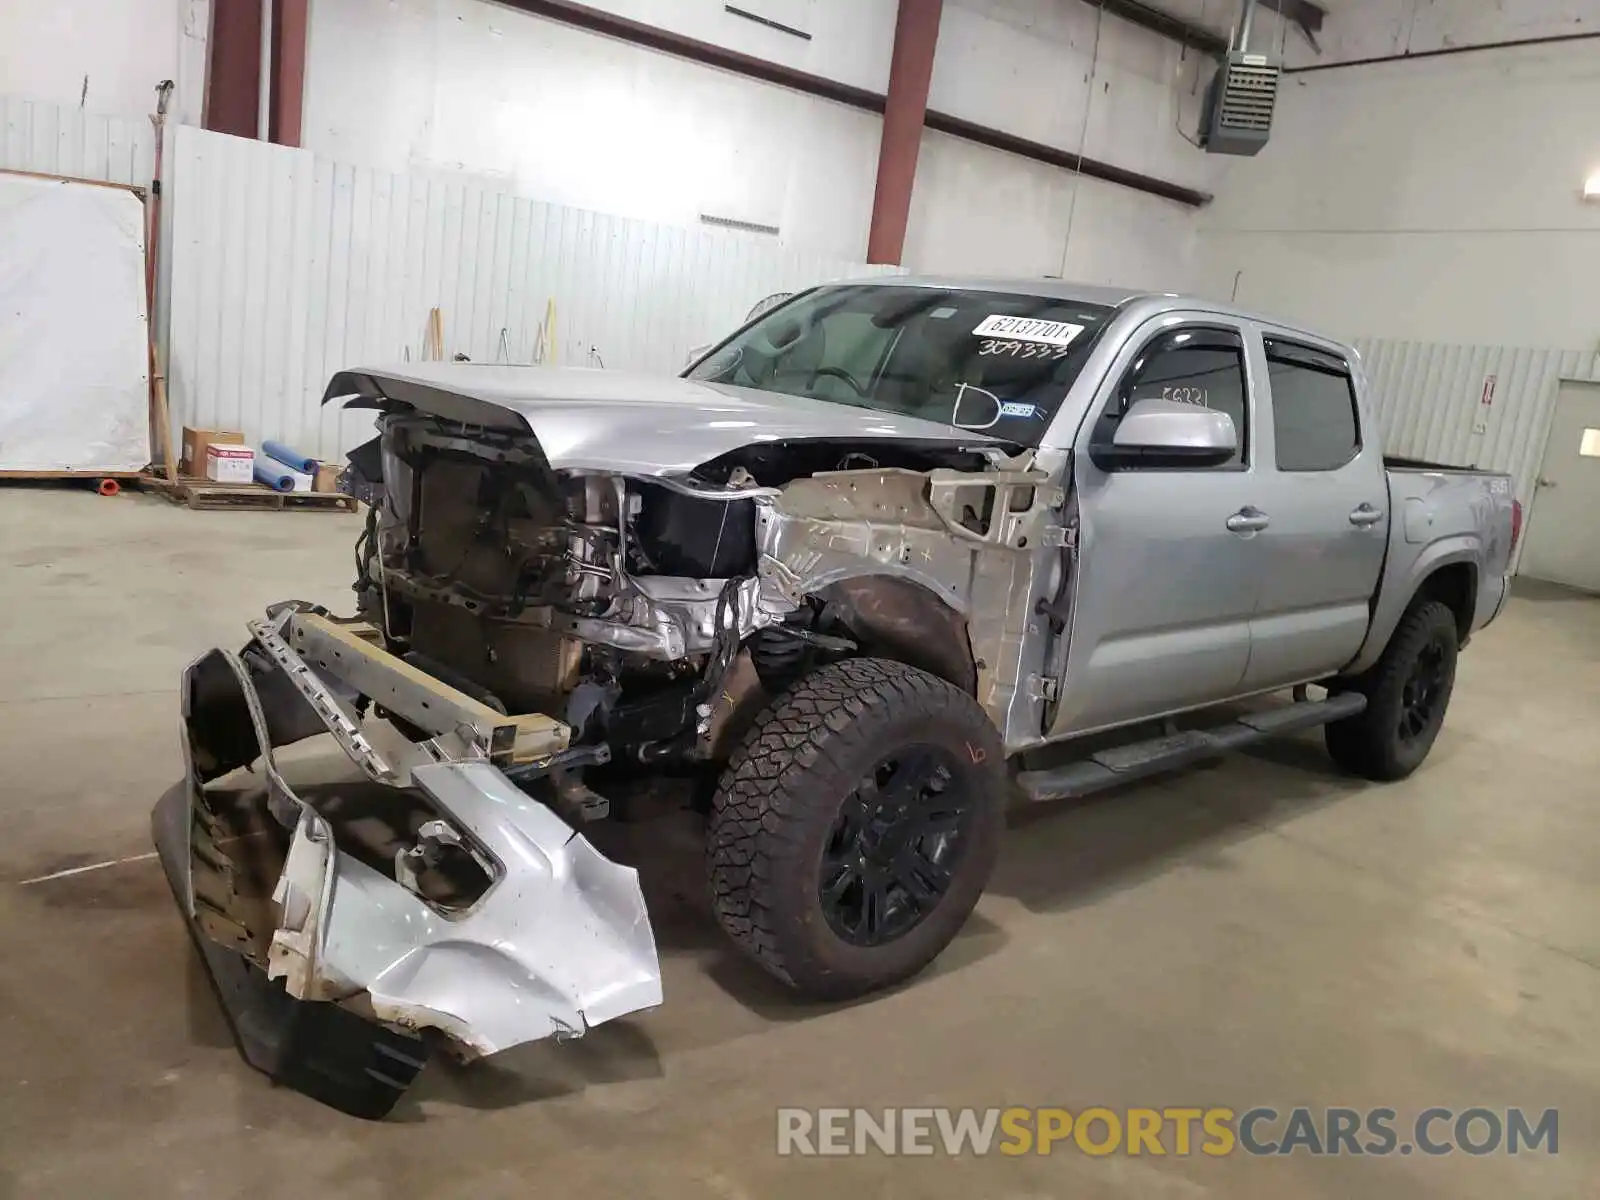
{"type": "Point", "coordinates": [1355, 30]}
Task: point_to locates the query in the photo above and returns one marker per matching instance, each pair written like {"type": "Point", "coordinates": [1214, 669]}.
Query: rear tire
{"type": "Point", "coordinates": [1408, 691]}
{"type": "Point", "coordinates": [856, 826]}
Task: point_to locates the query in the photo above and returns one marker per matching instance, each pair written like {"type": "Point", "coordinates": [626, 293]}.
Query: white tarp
{"type": "Point", "coordinates": [74, 382]}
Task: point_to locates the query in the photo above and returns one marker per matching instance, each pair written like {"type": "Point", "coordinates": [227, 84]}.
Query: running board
{"type": "Point", "coordinates": [1138, 760]}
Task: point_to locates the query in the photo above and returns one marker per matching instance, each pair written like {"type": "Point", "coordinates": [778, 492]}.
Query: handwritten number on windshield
{"type": "Point", "coordinates": [1022, 349]}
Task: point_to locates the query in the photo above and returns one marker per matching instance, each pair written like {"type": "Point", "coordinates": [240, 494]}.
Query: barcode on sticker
{"type": "Point", "coordinates": [1028, 329]}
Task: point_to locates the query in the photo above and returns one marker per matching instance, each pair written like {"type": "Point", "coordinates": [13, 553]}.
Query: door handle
{"type": "Point", "coordinates": [1366, 516]}
{"type": "Point", "coordinates": [1248, 519]}
{"type": "Point", "coordinates": [1543, 482]}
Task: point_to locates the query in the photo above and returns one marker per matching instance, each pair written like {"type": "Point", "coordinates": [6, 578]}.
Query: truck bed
{"type": "Point", "coordinates": [1396, 463]}
{"type": "Point", "coordinates": [1443, 516]}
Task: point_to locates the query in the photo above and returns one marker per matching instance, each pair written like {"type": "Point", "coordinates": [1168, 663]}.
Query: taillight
{"type": "Point", "coordinates": [1516, 522]}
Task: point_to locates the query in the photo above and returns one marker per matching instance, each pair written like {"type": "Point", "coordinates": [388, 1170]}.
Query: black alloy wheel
{"type": "Point", "coordinates": [1407, 690]}
{"type": "Point", "coordinates": [891, 854]}
{"type": "Point", "coordinates": [1419, 696]}
{"type": "Point", "coordinates": [856, 826]}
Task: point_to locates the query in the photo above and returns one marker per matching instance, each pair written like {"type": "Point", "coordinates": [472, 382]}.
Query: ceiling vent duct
{"type": "Point", "coordinates": [1237, 117]}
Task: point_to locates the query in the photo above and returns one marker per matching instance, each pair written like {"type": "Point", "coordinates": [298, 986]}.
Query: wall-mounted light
{"type": "Point", "coordinates": [1591, 186]}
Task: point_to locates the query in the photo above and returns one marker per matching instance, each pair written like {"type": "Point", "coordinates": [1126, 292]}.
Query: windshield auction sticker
{"type": "Point", "coordinates": [1028, 329]}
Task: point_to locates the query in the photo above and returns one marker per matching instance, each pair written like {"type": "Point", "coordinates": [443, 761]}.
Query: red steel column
{"type": "Point", "coordinates": [289, 20]}
{"type": "Point", "coordinates": [233, 68]}
{"type": "Point", "coordinates": [916, 34]}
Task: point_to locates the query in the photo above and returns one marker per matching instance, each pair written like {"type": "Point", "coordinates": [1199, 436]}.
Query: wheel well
{"type": "Point", "coordinates": [1456, 586]}
{"type": "Point", "coordinates": [901, 620]}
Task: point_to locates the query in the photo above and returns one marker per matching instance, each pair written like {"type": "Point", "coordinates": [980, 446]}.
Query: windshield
{"type": "Point", "coordinates": [989, 361]}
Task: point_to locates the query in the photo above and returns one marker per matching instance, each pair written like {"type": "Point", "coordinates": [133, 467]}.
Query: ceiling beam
{"type": "Point", "coordinates": [1445, 51]}
{"type": "Point", "coordinates": [1304, 13]}
{"type": "Point", "coordinates": [583, 16]}
{"type": "Point", "coordinates": [1307, 16]}
{"type": "Point", "coordinates": [1174, 28]}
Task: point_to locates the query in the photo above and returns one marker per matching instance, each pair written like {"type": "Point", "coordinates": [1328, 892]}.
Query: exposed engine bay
{"type": "Point", "coordinates": [620, 605]}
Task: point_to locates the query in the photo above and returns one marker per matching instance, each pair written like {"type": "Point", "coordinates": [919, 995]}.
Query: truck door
{"type": "Point", "coordinates": [1327, 506]}
{"type": "Point", "coordinates": [1166, 566]}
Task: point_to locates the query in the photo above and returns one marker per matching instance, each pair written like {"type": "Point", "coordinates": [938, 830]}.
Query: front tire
{"type": "Point", "coordinates": [1407, 691]}
{"type": "Point", "coordinates": [856, 826]}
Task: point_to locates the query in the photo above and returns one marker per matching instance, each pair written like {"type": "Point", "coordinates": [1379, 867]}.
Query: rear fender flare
{"type": "Point", "coordinates": [1395, 597]}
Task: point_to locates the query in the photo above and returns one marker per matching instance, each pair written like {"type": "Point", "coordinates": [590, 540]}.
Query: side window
{"type": "Point", "coordinates": [1313, 408]}
{"type": "Point", "coordinates": [1195, 367]}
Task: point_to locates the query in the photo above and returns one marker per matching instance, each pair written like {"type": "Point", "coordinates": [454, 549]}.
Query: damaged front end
{"type": "Point", "coordinates": [349, 926]}
{"type": "Point", "coordinates": [633, 570]}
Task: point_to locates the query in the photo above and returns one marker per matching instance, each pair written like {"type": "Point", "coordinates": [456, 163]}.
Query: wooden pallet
{"type": "Point", "coordinates": [205, 494]}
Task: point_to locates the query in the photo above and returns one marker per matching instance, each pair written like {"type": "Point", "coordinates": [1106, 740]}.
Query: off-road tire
{"type": "Point", "coordinates": [1371, 744]}
{"type": "Point", "coordinates": [785, 786]}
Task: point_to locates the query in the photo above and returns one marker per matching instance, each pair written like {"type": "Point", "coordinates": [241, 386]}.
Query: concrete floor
{"type": "Point", "coordinates": [1261, 932]}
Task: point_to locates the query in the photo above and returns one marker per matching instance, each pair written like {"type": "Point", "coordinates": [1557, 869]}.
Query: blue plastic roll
{"type": "Point", "coordinates": [274, 474]}
{"type": "Point", "coordinates": [290, 457]}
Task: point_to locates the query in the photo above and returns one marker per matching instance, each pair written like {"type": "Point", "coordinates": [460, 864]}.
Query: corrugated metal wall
{"type": "Point", "coordinates": [68, 141]}
{"type": "Point", "coordinates": [287, 267]}
{"type": "Point", "coordinates": [1429, 397]}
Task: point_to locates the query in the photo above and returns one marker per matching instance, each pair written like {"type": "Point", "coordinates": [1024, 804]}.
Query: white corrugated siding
{"type": "Point", "coordinates": [1429, 396]}
{"type": "Point", "coordinates": [287, 267]}
{"type": "Point", "coordinates": [52, 140]}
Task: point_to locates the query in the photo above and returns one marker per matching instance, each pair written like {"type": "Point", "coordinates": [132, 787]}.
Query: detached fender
{"type": "Point", "coordinates": [559, 944]}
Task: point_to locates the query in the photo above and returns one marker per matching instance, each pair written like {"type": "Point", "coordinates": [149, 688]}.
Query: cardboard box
{"type": "Point", "coordinates": [230, 464]}
{"type": "Point", "coordinates": [327, 478]}
{"type": "Point", "coordinates": [192, 460]}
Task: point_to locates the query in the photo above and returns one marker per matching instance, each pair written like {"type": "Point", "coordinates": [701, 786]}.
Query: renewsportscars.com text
{"type": "Point", "coordinates": [1179, 1131]}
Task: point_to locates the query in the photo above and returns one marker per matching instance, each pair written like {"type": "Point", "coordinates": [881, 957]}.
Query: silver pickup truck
{"type": "Point", "coordinates": [889, 555]}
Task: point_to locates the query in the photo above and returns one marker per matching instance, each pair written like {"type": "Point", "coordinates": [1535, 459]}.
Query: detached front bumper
{"type": "Point", "coordinates": [335, 951]}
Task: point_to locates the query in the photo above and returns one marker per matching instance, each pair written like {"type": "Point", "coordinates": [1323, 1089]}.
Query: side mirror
{"type": "Point", "coordinates": [1165, 433]}
{"type": "Point", "coordinates": [696, 355]}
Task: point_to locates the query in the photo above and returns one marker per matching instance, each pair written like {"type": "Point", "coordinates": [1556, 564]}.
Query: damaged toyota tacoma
{"type": "Point", "coordinates": [889, 554]}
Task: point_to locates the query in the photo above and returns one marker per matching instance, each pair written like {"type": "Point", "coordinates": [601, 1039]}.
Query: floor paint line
{"type": "Point", "coordinates": [99, 866]}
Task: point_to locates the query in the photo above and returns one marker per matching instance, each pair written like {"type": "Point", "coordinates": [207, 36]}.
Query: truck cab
{"type": "Point", "coordinates": [1202, 581]}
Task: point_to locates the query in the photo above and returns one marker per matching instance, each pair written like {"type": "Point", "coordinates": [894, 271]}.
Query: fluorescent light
{"type": "Point", "coordinates": [1591, 186]}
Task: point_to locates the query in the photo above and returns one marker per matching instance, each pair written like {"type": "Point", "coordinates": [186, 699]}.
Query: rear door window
{"type": "Point", "coordinates": [1313, 408]}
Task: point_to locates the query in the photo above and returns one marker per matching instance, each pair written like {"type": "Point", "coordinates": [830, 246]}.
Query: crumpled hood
{"type": "Point", "coordinates": [621, 421]}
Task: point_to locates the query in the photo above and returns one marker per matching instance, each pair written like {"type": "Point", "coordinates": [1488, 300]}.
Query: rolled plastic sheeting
{"type": "Point", "coordinates": [290, 457]}
{"type": "Point", "coordinates": [274, 474]}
